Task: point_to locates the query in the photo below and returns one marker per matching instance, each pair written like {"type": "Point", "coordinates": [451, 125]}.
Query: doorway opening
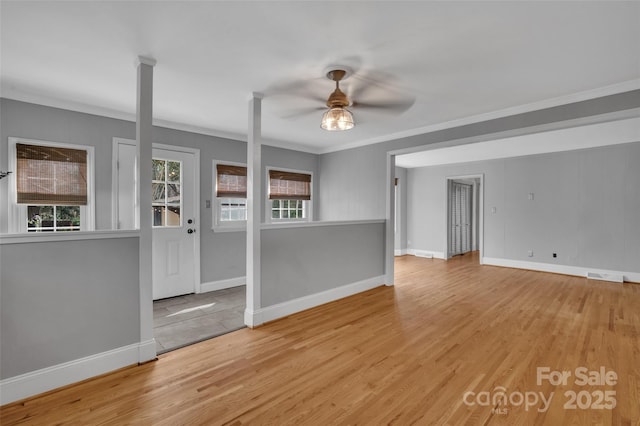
{"type": "Point", "coordinates": [184, 312]}
{"type": "Point", "coordinates": [191, 318]}
{"type": "Point", "coordinates": [464, 215]}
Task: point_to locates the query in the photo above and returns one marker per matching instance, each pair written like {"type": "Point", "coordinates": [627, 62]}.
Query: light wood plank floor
{"type": "Point", "coordinates": [393, 355]}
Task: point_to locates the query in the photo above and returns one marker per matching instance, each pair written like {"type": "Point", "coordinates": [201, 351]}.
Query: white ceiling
{"type": "Point", "coordinates": [459, 61]}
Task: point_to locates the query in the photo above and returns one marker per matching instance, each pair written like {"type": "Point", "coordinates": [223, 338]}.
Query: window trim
{"type": "Point", "coordinates": [17, 212]}
{"type": "Point", "coordinates": [216, 224]}
{"type": "Point", "coordinates": [267, 208]}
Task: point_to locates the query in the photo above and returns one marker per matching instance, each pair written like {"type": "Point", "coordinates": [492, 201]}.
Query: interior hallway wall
{"type": "Point", "coordinates": [584, 207]}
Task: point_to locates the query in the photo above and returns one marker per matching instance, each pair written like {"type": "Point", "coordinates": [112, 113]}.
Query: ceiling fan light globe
{"type": "Point", "coordinates": [337, 119]}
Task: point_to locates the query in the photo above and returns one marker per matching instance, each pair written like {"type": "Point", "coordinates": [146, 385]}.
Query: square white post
{"type": "Point", "coordinates": [390, 221]}
{"type": "Point", "coordinates": [254, 201]}
{"type": "Point", "coordinates": [144, 128]}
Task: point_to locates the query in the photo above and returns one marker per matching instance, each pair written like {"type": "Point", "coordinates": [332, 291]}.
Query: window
{"type": "Point", "coordinates": [53, 218]}
{"type": "Point", "coordinates": [289, 196]}
{"type": "Point", "coordinates": [230, 196]}
{"type": "Point", "coordinates": [52, 190]}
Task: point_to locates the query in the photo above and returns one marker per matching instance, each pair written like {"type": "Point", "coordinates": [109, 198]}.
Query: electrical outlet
{"type": "Point", "coordinates": [530, 253]}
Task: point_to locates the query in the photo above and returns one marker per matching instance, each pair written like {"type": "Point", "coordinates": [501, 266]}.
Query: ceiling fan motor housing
{"type": "Point", "coordinates": [338, 97]}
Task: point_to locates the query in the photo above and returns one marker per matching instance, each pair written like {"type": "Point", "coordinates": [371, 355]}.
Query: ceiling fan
{"type": "Point", "coordinates": [338, 117]}
{"type": "Point", "coordinates": [364, 94]}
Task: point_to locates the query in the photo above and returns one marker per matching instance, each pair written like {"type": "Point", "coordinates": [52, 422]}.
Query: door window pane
{"type": "Point", "coordinates": [166, 196]}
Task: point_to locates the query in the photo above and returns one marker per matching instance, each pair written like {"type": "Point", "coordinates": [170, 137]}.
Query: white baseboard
{"type": "Point", "coordinates": [579, 271]}
{"type": "Point", "coordinates": [400, 252]}
{"type": "Point", "coordinates": [426, 253]}
{"type": "Point", "coordinates": [222, 284]}
{"type": "Point", "coordinates": [46, 379]}
{"type": "Point", "coordinates": [147, 351]}
{"type": "Point", "coordinates": [280, 310]}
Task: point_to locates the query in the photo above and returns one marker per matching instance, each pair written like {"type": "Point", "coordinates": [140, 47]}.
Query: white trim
{"type": "Point", "coordinates": [46, 379]}
{"type": "Point", "coordinates": [399, 252]}
{"type": "Point", "coordinates": [615, 278]}
{"type": "Point", "coordinates": [300, 224]}
{"type": "Point", "coordinates": [267, 185]}
{"type": "Point", "coordinates": [222, 284]}
{"type": "Point", "coordinates": [280, 310]}
{"type": "Point", "coordinates": [390, 220]}
{"type": "Point", "coordinates": [218, 229]}
{"type": "Point", "coordinates": [580, 271]}
{"type": "Point", "coordinates": [46, 237]}
{"type": "Point", "coordinates": [16, 212]}
{"type": "Point", "coordinates": [426, 253]}
{"type": "Point", "coordinates": [115, 196]}
{"type": "Point", "coordinates": [520, 109]}
{"type": "Point", "coordinates": [147, 351]}
{"type": "Point", "coordinates": [196, 212]}
{"type": "Point", "coordinates": [22, 96]}
{"type": "Point", "coordinates": [255, 196]}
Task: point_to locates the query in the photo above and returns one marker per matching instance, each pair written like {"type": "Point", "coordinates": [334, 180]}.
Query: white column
{"type": "Point", "coordinates": [252, 316]}
{"type": "Point", "coordinates": [144, 118]}
{"type": "Point", "coordinates": [390, 220]}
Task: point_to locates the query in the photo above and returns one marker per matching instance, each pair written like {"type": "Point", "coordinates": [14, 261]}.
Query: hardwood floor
{"type": "Point", "coordinates": [409, 354]}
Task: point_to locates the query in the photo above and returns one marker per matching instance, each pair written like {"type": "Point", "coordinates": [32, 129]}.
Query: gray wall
{"type": "Point", "coordinates": [353, 182]}
{"type": "Point", "coordinates": [65, 300]}
{"type": "Point", "coordinates": [585, 207]}
{"type": "Point", "coordinates": [298, 262]}
{"type": "Point", "coordinates": [30, 121]}
{"type": "Point", "coordinates": [223, 254]}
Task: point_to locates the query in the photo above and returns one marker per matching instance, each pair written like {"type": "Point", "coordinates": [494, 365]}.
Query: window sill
{"type": "Point", "coordinates": [238, 228]}
{"type": "Point", "coordinates": [41, 237]}
{"type": "Point", "coordinates": [312, 224]}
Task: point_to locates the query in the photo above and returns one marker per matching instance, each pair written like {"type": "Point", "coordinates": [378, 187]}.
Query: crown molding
{"type": "Point", "coordinates": [9, 92]}
{"type": "Point", "coordinates": [16, 95]}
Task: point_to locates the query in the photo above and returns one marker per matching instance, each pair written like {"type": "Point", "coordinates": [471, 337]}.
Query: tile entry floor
{"type": "Point", "coordinates": [184, 320]}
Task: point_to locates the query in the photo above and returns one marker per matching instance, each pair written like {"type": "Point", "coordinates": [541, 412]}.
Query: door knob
{"type": "Point", "coordinates": [190, 231]}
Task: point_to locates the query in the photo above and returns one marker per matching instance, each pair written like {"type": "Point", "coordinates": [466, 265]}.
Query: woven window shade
{"type": "Point", "coordinates": [289, 186]}
{"type": "Point", "coordinates": [51, 175]}
{"type": "Point", "coordinates": [231, 181]}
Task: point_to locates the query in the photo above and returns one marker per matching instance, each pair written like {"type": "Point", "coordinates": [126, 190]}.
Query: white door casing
{"type": "Point", "coordinates": [460, 199]}
{"type": "Point", "coordinates": [176, 251]}
{"type": "Point", "coordinates": [174, 225]}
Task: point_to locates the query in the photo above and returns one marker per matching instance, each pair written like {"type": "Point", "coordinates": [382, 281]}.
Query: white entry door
{"type": "Point", "coordinates": [175, 239]}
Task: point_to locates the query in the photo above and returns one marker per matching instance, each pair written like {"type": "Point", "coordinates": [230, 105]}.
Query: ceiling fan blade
{"type": "Point", "coordinates": [302, 113]}
{"type": "Point", "coordinates": [308, 89]}
{"type": "Point", "coordinates": [379, 94]}
{"type": "Point", "coordinates": [393, 106]}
